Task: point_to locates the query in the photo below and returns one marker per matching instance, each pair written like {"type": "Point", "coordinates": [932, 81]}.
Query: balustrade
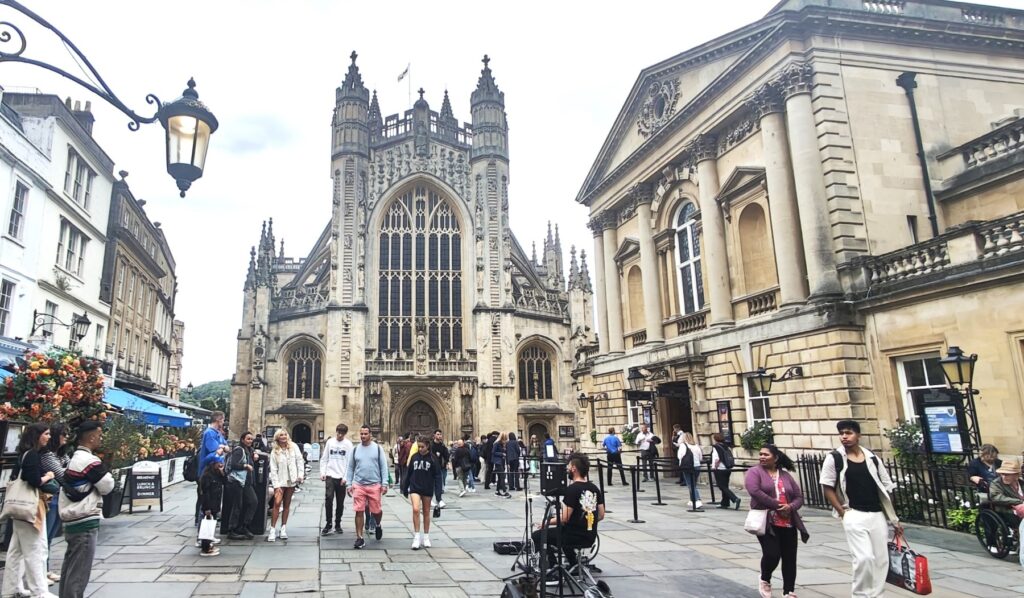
{"type": "Point", "coordinates": [762, 303]}
{"type": "Point", "coordinates": [638, 338]}
{"type": "Point", "coordinates": [693, 322]}
{"type": "Point", "coordinates": [909, 262]}
{"type": "Point", "coordinates": [1001, 236]}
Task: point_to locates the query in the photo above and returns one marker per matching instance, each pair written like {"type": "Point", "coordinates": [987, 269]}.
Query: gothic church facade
{"type": "Point", "coordinates": [417, 308]}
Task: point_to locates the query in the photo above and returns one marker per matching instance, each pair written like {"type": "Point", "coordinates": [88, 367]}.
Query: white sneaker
{"type": "Point", "coordinates": [426, 540]}
{"type": "Point", "coordinates": [283, 534]}
{"type": "Point", "coordinates": [415, 541]}
{"type": "Point", "coordinates": [462, 493]}
{"type": "Point", "coordinates": [472, 490]}
{"type": "Point", "coordinates": [689, 503]}
{"type": "Point", "coordinates": [441, 505]}
{"type": "Point", "coordinates": [272, 535]}
{"type": "Point", "coordinates": [699, 504]}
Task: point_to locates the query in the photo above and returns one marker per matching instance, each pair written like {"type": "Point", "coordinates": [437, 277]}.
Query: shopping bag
{"type": "Point", "coordinates": [907, 569]}
{"type": "Point", "coordinates": [757, 522]}
{"type": "Point", "coordinates": [21, 502]}
{"type": "Point", "coordinates": [208, 529]}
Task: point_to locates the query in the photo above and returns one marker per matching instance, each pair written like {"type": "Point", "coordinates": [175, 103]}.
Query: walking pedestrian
{"type": "Point", "coordinates": [613, 454]}
{"type": "Point", "coordinates": [722, 462]}
{"type": "Point", "coordinates": [644, 442]}
{"type": "Point", "coordinates": [368, 482]}
{"type": "Point", "coordinates": [404, 448]}
{"type": "Point", "coordinates": [857, 485]}
{"type": "Point", "coordinates": [418, 487]}
{"type": "Point", "coordinates": [286, 472]}
{"type": "Point", "coordinates": [211, 495]}
{"type": "Point", "coordinates": [87, 481]}
{"type": "Point", "coordinates": [774, 489]}
{"type": "Point", "coordinates": [498, 457]}
{"type": "Point", "coordinates": [55, 458]}
{"type": "Point", "coordinates": [534, 455]}
{"type": "Point", "coordinates": [689, 457]}
{"type": "Point", "coordinates": [677, 439]}
{"type": "Point", "coordinates": [486, 446]}
{"type": "Point", "coordinates": [513, 453]}
{"type": "Point", "coordinates": [442, 455]}
{"type": "Point", "coordinates": [25, 570]}
{"type": "Point", "coordinates": [240, 488]}
{"type": "Point", "coordinates": [474, 462]}
{"type": "Point", "coordinates": [337, 451]}
{"type": "Point", "coordinates": [463, 467]}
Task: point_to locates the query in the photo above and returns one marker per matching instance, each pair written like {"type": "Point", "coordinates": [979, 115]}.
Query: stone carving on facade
{"type": "Point", "coordinates": [391, 165]}
{"type": "Point", "coordinates": [420, 355]}
{"type": "Point", "coordinates": [738, 130]}
{"type": "Point", "coordinates": [259, 350]}
{"type": "Point", "coordinates": [627, 210]}
{"type": "Point", "coordinates": [307, 296]}
{"type": "Point", "coordinates": [658, 106]}
{"type": "Point", "coordinates": [795, 79]}
{"type": "Point", "coordinates": [703, 147]}
{"type": "Point", "coordinates": [766, 100]}
{"type": "Point", "coordinates": [467, 412]}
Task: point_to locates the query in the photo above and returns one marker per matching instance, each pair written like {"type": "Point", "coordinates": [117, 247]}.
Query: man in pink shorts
{"type": "Point", "coordinates": [367, 475]}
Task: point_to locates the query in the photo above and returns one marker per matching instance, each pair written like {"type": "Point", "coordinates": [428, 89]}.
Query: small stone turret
{"type": "Point", "coordinates": [553, 260]}
{"type": "Point", "coordinates": [351, 119]}
{"type": "Point", "coordinates": [490, 126]}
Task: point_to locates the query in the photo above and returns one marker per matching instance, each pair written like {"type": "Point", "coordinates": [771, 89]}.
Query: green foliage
{"type": "Point", "coordinates": [907, 442]}
{"type": "Point", "coordinates": [758, 435]}
{"type": "Point", "coordinates": [961, 519]}
{"type": "Point", "coordinates": [629, 435]}
{"type": "Point", "coordinates": [593, 436]}
{"type": "Point", "coordinates": [215, 396]}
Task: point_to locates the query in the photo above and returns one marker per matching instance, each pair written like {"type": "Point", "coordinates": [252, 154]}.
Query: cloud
{"type": "Point", "coordinates": [253, 133]}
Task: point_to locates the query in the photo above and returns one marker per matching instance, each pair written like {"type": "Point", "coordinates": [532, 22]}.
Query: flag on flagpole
{"type": "Point", "coordinates": [404, 73]}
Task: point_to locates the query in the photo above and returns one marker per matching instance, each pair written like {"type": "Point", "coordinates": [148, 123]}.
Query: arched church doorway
{"type": "Point", "coordinates": [301, 434]}
{"type": "Point", "coordinates": [538, 430]}
{"type": "Point", "coordinates": [419, 418]}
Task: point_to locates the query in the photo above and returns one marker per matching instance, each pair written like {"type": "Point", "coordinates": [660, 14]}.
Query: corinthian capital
{"type": "Point", "coordinates": [767, 100]}
{"type": "Point", "coordinates": [704, 147]}
{"type": "Point", "coordinates": [642, 193]}
{"type": "Point", "coordinates": [606, 219]}
{"type": "Point", "coordinates": [795, 79]}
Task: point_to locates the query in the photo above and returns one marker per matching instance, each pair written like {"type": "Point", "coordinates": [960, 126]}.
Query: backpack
{"type": "Point", "coordinates": [687, 462]}
{"type": "Point", "coordinates": [725, 456]}
{"type": "Point", "coordinates": [838, 458]}
{"type": "Point", "coordinates": [190, 470]}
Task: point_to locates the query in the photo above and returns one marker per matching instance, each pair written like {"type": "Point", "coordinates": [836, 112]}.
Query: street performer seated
{"type": "Point", "coordinates": [582, 509]}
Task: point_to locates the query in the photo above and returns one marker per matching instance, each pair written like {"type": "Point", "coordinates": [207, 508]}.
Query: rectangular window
{"type": "Point", "coordinates": [918, 372]}
{"type": "Point", "coordinates": [634, 417]}
{"type": "Point", "coordinates": [131, 289]}
{"type": "Point", "coordinates": [78, 179]}
{"type": "Point", "coordinates": [912, 227]}
{"type": "Point", "coordinates": [16, 224]}
{"type": "Point", "coordinates": [51, 310]}
{"type": "Point", "coordinates": [6, 298]}
{"type": "Point", "coordinates": [120, 279]}
{"type": "Point", "coordinates": [100, 339]}
{"type": "Point", "coordinates": [71, 248]}
{"type": "Point", "coordinates": [758, 409]}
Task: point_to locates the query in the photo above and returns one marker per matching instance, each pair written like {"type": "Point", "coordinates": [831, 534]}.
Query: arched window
{"type": "Point", "coordinates": [420, 273]}
{"type": "Point", "coordinates": [535, 374]}
{"type": "Point", "coordinates": [305, 365]}
{"type": "Point", "coordinates": [756, 250]}
{"type": "Point", "coordinates": [691, 281]}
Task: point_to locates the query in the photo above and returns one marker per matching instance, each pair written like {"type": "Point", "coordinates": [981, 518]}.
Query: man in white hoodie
{"type": "Point", "coordinates": [333, 469]}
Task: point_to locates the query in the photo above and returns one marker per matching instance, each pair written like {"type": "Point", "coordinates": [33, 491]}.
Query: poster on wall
{"type": "Point", "coordinates": [724, 417]}
{"type": "Point", "coordinates": [942, 420]}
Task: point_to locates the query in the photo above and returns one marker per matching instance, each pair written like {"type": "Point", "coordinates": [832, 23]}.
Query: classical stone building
{"type": "Point", "coordinates": [759, 202]}
{"type": "Point", "coordinates": [140, 285]}
{"type": "Point", "coordinates": [416, 308]}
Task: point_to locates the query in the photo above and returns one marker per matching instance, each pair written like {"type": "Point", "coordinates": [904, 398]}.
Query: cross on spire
{"type": "Point", "coordinates": [421, 92]}
{"type": "Point", "coordinates": [487, 60]}
{"type": "Point", "coordinates": [353, 56]}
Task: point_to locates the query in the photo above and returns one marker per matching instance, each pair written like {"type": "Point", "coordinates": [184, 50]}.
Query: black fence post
{"type": "Point", "coordinates": [655, 466]}
{"type": "Point", "coordinates": [634, 476]}
{"type": "Point", "coordinates": [711, 482]}
{"type": "Point", "coordinates": [636, 482]}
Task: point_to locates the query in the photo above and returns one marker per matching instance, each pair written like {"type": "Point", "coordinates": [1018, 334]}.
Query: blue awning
{"type": "Point", "coordinates": [152, 413]}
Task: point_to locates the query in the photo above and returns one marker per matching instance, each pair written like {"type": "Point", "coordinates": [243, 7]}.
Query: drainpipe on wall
{"type": "Point", "coordinates": [907, 82]}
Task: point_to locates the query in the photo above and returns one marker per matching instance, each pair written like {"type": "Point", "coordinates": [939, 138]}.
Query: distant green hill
{"type": "Point", "coordinates": [215, 396]}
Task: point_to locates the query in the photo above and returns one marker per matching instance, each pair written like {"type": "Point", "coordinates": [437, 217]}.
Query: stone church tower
{"type": "Point", "coordinates": [416, 308]}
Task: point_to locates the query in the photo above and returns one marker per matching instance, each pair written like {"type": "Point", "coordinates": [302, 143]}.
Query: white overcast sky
{"type": "Point", "coordinates": [268, 70]}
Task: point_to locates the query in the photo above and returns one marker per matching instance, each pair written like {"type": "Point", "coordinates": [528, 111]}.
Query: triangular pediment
{"type": "Point", "coordinates": [629, 247]}
{"type": "Point", "coordinates": [740, 181]}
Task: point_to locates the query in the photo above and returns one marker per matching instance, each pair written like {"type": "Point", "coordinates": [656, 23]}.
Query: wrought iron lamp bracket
{"type": "Point", "coordinates": [12, 37]}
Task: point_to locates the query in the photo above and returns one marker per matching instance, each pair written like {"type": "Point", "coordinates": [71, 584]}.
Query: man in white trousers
{"type": "Point", "coordinates": [857, 486]}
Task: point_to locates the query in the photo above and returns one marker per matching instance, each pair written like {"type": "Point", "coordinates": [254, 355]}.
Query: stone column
{"type": "Point", "coordinates": [602, 302]}
{"type": "Point", "coordinates": [644, 194]}
{"type": "Point", "coordinates": [612, 294]}
{"type": "Point", "coordinates": [785, 217]}
{"type": "Point", "coordinates": [716, 263]}
{"type": "Point", "coordinates": [809, 178]}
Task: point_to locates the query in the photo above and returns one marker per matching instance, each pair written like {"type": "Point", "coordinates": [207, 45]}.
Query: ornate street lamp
{"type": "Point", "coordinates": [187, 121]}
{"type": "Point", "coordinates": [635, 379]}
{"type": "Point", "coordinates": [189, 389]}
{"type": "Point", "coordinates": [762, 381]}
{"type": "Point", "coordinates": [958, 368]}
{"type": "Point", "coordinates": [79, 326]}
{"type": "Point", "coordinates": [583, 400]}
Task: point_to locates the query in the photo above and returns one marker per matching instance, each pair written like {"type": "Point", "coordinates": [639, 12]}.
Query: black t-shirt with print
{"type": "Point", "coordinates": [580, 496]}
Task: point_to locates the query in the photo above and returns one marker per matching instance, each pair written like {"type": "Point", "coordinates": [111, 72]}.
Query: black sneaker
{"type": "Point", "coordinates": [337, 528]}
{"type": "Point", "coordinates": [237, 536]}
{"type": "Point", "coordinates": [248, 535]}
{"type": "Point", "coordinates": [379, 532]}
{"type": "Point", "coordinates": [359, 543]}
{"type": "Point", "coordinates": [437, 512]}
{"type": "Point", "coordinates": [326, 531]}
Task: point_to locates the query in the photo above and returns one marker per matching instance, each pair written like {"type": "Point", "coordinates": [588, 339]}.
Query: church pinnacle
{"type": "Point", "coordinates": [250, 277]}
{"type": "Point", "coordinates": [486, 89]}
{"type": "Point", "coordinates": [353, 84]}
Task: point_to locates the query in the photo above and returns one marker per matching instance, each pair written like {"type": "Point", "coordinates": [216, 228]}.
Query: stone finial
{"type": "Point", "coordinates": [486, 88]}
{"type": "Point", "coordinates": [250, 277]}
{"type": "Point", "coordinates": [584, 278]}
{"type": "Point", "coordinates": [353, 86]}
{"type": "Point", "coordinates": [533, 258]}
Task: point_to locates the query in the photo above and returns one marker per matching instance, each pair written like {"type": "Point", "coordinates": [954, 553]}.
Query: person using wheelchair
{"type": "Point", "coordinates": [582, 509]}
{"type": "Point", "coordinates": [1005, 494]}
{"type": "Point", "coordinates": [982, 470]}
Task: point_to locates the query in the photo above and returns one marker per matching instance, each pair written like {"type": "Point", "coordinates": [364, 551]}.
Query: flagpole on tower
{"type": "Point", "coordinates": [405, 75]}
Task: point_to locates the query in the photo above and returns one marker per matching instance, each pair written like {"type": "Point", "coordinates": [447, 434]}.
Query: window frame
{"type": "Point", "coordinates": [906, 390]}
{"type": "Point", "coordinates": [312, 357]}
{"type": "Point", "coordinates": [750, 397]}
{"type": "Point", "coordinates": [19, 207]}
{"type": "Point", "coordinates": [540, 357]}
{"type": "Point", "coordinates": [7, 289]}
{"type": "Point", "coordinates": [690, 228]}
{"type": "Point", "coordinates": [71, 247]}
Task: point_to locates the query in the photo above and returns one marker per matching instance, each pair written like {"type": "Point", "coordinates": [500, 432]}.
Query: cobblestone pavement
{"type": "Point", "coordinates": [674, 553]}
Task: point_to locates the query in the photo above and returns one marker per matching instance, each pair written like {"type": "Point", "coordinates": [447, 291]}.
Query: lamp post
{"type": "Point", "coordinates": [187, 121]}
{"type": "Point", "coordinates": [958, 369]}
{"type": "Point", "coordinates": [637, 394]}
{"type": "Point", "coordinates": [79, 326]}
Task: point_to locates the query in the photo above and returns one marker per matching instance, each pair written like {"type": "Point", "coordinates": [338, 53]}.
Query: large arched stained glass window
{"type": "Point", "coordinates": [691, 281]}
{"type": "Point", "coordinates": [420, 272]}
{"type": "Point", "coordinates": [305, 365]}
{"type": "Point", "coordinates": [535, 374]}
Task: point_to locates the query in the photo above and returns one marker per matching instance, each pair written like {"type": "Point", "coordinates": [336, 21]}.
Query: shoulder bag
{"type": "Point", "coordinates": [757, 522]}
{"type": "Point", "coordinates": [21, 501]}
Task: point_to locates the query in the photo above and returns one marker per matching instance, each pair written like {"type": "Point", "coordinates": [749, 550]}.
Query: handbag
{"type": "Point", "coordinates": [21, 501]}
{"type": "Point", "coordinates": [907, 569]}
{"type": "Point", "coordinates": [756, 522]}
{"type": "Point", "coordinates": [208, 529]}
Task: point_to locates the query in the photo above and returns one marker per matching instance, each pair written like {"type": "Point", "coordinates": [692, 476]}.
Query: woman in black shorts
{"type": "Point", "coordinates": [421, 476]}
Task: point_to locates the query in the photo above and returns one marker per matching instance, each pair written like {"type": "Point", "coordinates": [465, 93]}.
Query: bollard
{"type": "Point", "coordinates": [712, 482]}
{"type": "Point", "coordinates": [635, 478]}
{"type": "Point", "coordinates": [657, 483]}
{"type": "Point", "coordinates": [636, 482]}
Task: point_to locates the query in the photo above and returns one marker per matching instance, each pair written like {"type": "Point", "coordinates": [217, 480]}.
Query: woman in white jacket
{"type": "Point", "coordinates": [690, 456]}
{"type": "Point", "coordinates": [286, 469]}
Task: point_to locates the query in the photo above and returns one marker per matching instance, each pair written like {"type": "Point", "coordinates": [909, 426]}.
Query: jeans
{"type": "Point", "coordinates": [439, 485]}
{"type": "Point", "coordinates": [779, 544]}
{"type": "Point", "coordinates": [74, 574]}
{"type": "Point", "coordinates": [52, 526]}
{"type": "Point", "coordinates": [499, 476]}
{"type": "Point", "coordinates": [691, 482]}
{"type": "Point", "coordinates": [333, 488]}
{"type": "Point", "coordinates": [513, 476]}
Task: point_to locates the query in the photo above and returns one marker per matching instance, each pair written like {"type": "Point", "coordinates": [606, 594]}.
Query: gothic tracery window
{"type": "Point", "coordinates": [420, 272]}
{"type": "Point", "coordinates": [304, 372]}
{"type": "Point", "coordinates": [691, 281]}
{"type": "Point", "coordinates": [535, 379]}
